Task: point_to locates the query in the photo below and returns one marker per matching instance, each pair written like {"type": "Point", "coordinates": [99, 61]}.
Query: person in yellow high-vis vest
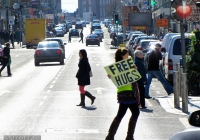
{"type": "Point", "coordinates": [128, 97]}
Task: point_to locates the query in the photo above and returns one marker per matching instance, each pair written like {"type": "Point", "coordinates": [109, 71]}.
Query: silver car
{"type": "Point", "coordinates": [59, 31]}
{"type": "Point", "coordinates": [49, 51]}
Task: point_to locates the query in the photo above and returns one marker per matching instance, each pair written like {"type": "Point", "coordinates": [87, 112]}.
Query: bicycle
{"type": "Point", "coordinates": [194, 84]}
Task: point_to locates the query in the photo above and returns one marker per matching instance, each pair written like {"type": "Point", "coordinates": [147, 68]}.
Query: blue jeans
{"type": "Point", "coordinates": [157, 73]}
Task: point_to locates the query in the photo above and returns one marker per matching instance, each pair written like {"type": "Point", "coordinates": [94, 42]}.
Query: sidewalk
{"type": "Point", "coordinates": [159, 94]}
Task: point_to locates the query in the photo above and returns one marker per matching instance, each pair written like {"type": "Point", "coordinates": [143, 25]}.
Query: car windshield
{"type": "Point", "coordinates": [48, 45]}
{"type": "Point", "coordinates": [54, 40]}
{"type": "Point", "coordinates": [144, 45]}
{"type": "Point", "coordinates": [92, 36]}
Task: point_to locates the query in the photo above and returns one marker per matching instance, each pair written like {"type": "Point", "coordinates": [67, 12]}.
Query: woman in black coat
{"type": "Point", "coordinates": [84, 77]}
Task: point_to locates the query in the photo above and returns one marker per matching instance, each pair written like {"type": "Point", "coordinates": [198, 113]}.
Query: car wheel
{"type": "Point", "coordinates": [62, 62]}
{"type": "Point", "coordinates": [99, 44]}
{"type": "Point", "coordinates": [86, 44]}
{"type": "Point", "coordinates": [37, 63]}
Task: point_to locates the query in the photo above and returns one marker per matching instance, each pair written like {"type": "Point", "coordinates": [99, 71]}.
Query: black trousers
{"type": "Point", "coordinates": [81, 39]}
{"type": "Point", "coordinates": [5, 62]}
{"type": "Point", "coordinates": [123, 108]}
{"type": "Point", "coordinates": [142, 95]}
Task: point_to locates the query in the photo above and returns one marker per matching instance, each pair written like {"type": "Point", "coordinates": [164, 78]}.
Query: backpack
{"type": "Point", "coordinates": [146, 60]}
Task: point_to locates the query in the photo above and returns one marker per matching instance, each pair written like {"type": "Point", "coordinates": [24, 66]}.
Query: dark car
{"type": "Point", "coordinates": [59, 40]}
{"type": "Point", "coordinates": [99, 32]}
{"type": "Point", "coordinates": [120, 38]}
{"type": "Point", "coordinates": [92, 39]}
{"type": "Point", "coordinates": [95, 26]}
{"type": "Point", "coordinates": [74, 32]}
{"type": "Point", "coordinates": [79, 25]}
{"type": "Point", "coordinates": [49, 51]}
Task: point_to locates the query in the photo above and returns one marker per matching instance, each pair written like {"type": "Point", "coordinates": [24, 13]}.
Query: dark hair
{"type": "Point", "coordinates": [84, 53]}
{"type": "Point", "coordinates": [7, 44]}
{"type": "Point", "coordinates": [158, 45]}
{"type": "Point", "coordinates": [119, 53]}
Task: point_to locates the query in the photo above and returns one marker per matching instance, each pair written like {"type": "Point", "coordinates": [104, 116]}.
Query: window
{"type": "Point", "coordinates": [177, 46]}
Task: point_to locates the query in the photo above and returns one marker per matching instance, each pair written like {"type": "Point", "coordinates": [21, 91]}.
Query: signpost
{"type": "Point", "coordinates": [162, 22]}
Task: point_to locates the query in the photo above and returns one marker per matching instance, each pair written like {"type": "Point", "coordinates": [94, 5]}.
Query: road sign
{"type": "Point", "coordinates": [139, 27]}
{"type": "Point", "coordinates": [162, 22]}
{"type": "Point", "coordinates": [129, 9]}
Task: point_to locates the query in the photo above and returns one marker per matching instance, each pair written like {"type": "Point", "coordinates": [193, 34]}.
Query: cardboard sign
{"type": "Point", "coordinates": [123, 72]}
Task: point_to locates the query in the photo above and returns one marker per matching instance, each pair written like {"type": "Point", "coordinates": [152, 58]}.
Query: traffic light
{"type": "Point", "coordinates": [153, 2]}
{"type": "Point", "coordinates": [116, 19]}
{"type": "Point", "coordinates": [94, 14]}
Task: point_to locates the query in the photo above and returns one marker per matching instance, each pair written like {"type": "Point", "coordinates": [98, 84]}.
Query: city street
{"type": "Point", "coordinates": [42, 100]}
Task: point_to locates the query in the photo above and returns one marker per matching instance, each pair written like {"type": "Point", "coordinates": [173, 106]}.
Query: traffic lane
{"type": "Point", "coordinates": [21, 92]}
{"type": "Point", "coordinates": [159, 123]}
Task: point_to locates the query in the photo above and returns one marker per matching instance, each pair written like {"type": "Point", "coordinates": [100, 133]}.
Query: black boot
{"type": "Point", "coordinates": [89, 95]}
{"type": "Point", "coordinates": [113, 129]}
{"type": "Point", "coordinates": [131, 129]}
{"type": "Point", "coordinates": [82, 103]}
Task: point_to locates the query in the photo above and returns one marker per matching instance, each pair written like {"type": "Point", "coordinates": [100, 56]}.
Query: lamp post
{"type": "Point", "coordinates": [18, 7]}
{"type": "Point", "coordinates": [124, 27]}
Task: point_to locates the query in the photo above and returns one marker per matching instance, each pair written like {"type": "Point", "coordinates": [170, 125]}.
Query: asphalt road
{"type": "Point", "coordinates": [42, 100]}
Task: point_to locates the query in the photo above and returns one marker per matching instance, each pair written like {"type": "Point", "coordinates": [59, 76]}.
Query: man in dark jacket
{"type": "Point", "coordinates": [81, 35]}
{"type": "Point", "coordinates": [6, 58]}
{"type": "Point", "coordinates": [138, 55]}
{"type": "Point", "coordinates": [154, 71]}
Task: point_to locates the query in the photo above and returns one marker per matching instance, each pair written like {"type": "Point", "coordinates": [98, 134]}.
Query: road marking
{"type": "Point", "coordinates": [158, 91]}
{"type": "Point", "coordinates": [97, 64]}
{"type": "Point", "coordinates": [56, 78]}
{"type": "Point", "coordinates": [2, 92]}
{"type": "Point", "coordinates": [41, 103]}
{"type": "Point", "coordinates": [148, 103]}
{"type": "Point", "coordinates": [54, 81]}
{"type": "Point", "coordinates": [51, 86]}
{"type": "Point", "coordinates": [48, 91]}
{"type": "Point", "coordinates": [44, 97]}
{"type": "Point", "coordinates": [72, 130]}
{"type": "Point", "coordinates": [184, 121]}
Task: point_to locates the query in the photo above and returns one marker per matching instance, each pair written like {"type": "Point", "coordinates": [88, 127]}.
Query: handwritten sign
{"type": "Point", "coordinates": [123, 72]}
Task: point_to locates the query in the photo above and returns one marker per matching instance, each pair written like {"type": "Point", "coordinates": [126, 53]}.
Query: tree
{"type": "Point", "coordinates": [115, 6]}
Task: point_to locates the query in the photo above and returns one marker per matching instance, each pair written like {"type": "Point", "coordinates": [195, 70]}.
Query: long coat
{"type": "Point", "coordinates": [83, 72]}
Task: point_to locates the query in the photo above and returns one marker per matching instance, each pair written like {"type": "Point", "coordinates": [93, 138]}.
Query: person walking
{"type": "Point", "coordinates": [81, 35]}
{"type": "Point", "coordinates": [127, 98]}
{"type": "Point", "coordinates": [11, 38]}
{"type": "Point", "coordinates": [138, 55]}
{"type": "Point", "coordinates": [6, 59]}
{"type": "Point", "coordinates": [17, 35]}
{"type": "Point", "coordinates": [84, 77]}
{"type": "Point", "coordinates": [153, 71]}
{"type": "Point", "coordinates": [69, 40]}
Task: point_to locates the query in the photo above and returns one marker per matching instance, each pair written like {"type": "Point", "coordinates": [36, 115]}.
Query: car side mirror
{"type": "Point", "coordinates": [194, 118]}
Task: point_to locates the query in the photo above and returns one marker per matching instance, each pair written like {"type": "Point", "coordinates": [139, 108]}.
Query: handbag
{"type": "Point", "coordinates": [90, 73]}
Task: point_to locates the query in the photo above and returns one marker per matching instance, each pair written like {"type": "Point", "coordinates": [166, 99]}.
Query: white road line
{"type": "Point", "coordinates": [58, 75]}
{"type": "Point", "coordinates": [56, 78]}
{"type": "Point", "coordinates": [158, 91]}
{"type": "Point", "coordinates": [54, 81]}
{"type": "Point", "coordinates": [184, 121]}
{"type": "Point", "coordinates": [48, 91]}
{"type": "Point", "coordinates": [51, 86]}
{"type": "Point", "coordinates": [97, 64]}
{"type": "Point", "coordinates": [45, 97]}
{"type": "Point", "coordinates": [148, 103]}
{"type": "Point", "coordinates": [2, 92]}
{"type": "Point", "coordinates": [41, 103]}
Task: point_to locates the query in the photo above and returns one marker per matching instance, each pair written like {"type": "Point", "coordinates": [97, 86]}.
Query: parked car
{"type": "Point", "coordinates": [48, 51]}
{"type": "Point", "coordinates": [49, 34]}
{"type": "Point", "coordinates": [92, 39]}
{"type": "Point", "coordinates": [166, 38]}
{"type": "Point", "coordinates": [99, 32]}
{"type": "Point", "coordinates": [121, 40]}
{"type": "Point", "coordinates": [79, 26]}
{"type": "Point", "coordinates": [191, 133]}
{"type": "Point", "coordinates": [173, 55]}
{"type": "Point", "coordinates": [74, 32]}
{"type": "Point", "coordinates": [59, 40]}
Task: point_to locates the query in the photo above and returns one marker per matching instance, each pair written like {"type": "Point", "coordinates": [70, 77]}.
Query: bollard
{"type": "Point", "coordinates": [184, 91]}
{"type": "Point", "coordinates": [176, 89]}
{"type": "Point", "coordinates": [180, 72]}
{"type": "Point", "coordinates": [179, 77]}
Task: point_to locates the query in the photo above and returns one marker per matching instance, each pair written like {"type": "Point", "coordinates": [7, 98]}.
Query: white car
{"type": "Point", "coordinates": [193, 132]}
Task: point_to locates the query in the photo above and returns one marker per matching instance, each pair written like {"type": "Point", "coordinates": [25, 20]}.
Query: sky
{"type": "Point", "coordinates": [69, 5]}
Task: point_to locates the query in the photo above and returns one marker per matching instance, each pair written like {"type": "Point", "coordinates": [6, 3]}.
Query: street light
{"type": "Point", "coordinates": [16, 6]}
